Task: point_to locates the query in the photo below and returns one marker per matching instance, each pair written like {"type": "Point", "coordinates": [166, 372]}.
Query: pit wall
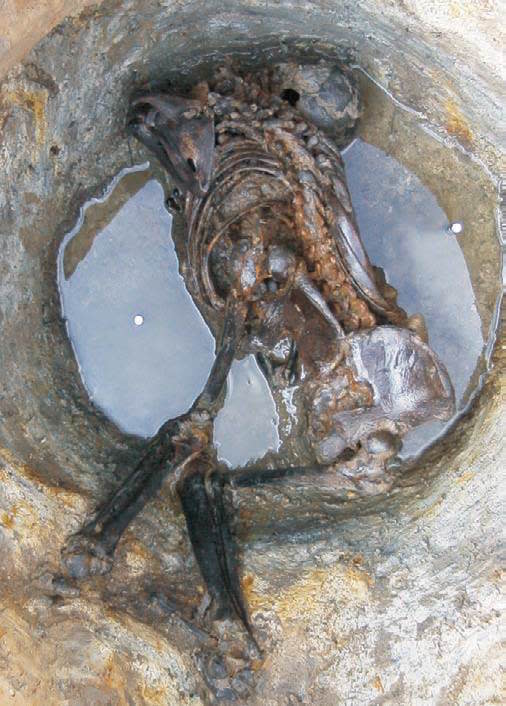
{"type": "Point", "coordinates": [395, 604]}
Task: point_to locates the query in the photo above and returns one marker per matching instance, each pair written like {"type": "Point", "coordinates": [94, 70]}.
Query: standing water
{"type": "Point", "coordinates": [144, 351]}
{"type": "Point", "coordinates": [426, 214]}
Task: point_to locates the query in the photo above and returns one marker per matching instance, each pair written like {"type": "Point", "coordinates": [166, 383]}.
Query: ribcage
{"type": "Point", "coordinates": [292, 177]}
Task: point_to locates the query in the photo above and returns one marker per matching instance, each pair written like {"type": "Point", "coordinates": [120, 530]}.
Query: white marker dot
{"type": "Point", "coordinates": [456, 227]}
{"type": "Point", "coordinates": [138, 319]}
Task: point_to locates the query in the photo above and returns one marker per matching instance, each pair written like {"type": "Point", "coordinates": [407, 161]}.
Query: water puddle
{"type": "Point", "coordinates": [406, 189]}
{"type": "Point", "coordinates": [144, 351]}
{"type": "Point", "coordinates": [246, 428]}
{"type": "Point", "coordinates": [405, 231]}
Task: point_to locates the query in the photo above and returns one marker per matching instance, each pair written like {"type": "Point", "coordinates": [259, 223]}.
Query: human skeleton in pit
{"type": "Point", "coordinates": [277, 267]}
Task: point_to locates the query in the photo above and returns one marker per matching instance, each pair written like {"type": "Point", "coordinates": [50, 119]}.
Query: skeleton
{"type": "Point", "coordinates": [276, 265]}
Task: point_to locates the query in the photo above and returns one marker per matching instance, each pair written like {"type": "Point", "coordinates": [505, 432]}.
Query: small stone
{"type": "Point", "coordinates": [329, 449]}
{"type": "Point", "coordinates": [382, 442]}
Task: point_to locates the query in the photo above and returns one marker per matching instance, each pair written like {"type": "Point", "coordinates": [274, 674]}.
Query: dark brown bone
{"type": "Point", "coordinates": [273, 190]}
{"type": "Point", "coordinates": [178, 444]}
{"type": "Point", "coordinates": [180, 134]}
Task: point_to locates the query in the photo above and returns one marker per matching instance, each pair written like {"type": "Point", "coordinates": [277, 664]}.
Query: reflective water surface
{"type": "Point", "coordinates": [247, 425]}
{"type": "Point", "coordinates": [144, 351]}
{"type": "Point", "coordinates": [405, 231]}
{"type": "Point", "coordinates": [121, 264]}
